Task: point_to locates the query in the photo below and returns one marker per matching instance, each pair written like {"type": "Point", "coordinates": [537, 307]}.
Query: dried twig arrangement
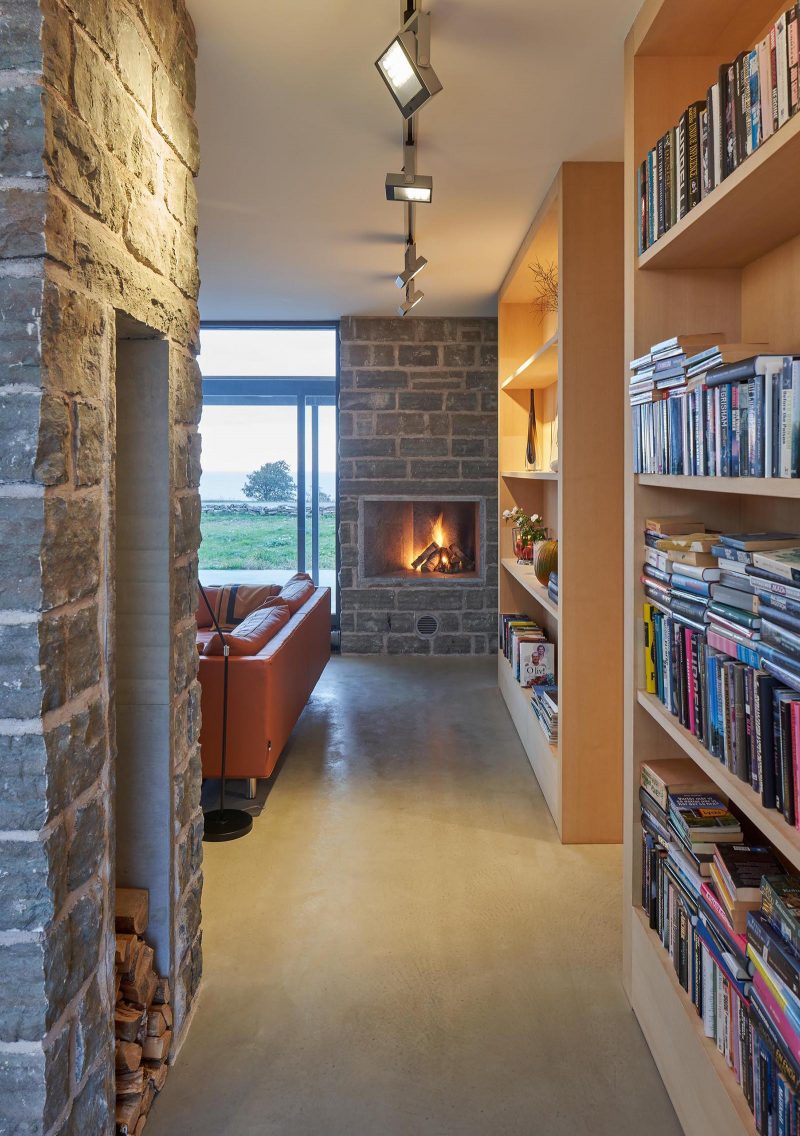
{"type": "Point", "coordinates": [545, 277]}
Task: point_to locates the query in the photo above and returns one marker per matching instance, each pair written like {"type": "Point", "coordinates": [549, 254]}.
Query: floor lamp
{"type": "Point", "coordinates": [223, 824]}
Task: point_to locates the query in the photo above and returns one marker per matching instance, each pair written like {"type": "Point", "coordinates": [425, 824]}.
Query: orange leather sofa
{"type": "Point", "coordinates": [267, 692]}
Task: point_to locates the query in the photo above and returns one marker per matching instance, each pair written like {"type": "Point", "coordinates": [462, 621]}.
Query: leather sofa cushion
{"type": "Point", "coordinates": [297, 591]}
{"type": "Point", "coordinates": [252, 633]}
{"type": "Point", "coordinates": [236, 601]}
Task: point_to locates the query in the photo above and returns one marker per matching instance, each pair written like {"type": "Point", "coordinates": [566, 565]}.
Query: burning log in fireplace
{"type": "Point", "coordinates": [448, 559]}
{"type": "Point", "coordinates": [142, 1016]}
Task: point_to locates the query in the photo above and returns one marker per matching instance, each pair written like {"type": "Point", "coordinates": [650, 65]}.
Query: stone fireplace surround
{"type": "Point", "coordinates": [97, 248]}
{"type": "Point", "coordinates": [417, 419]}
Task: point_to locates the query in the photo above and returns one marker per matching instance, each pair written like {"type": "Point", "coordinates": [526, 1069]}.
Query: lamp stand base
{"type": "Point", "coordinates": [226, 824]}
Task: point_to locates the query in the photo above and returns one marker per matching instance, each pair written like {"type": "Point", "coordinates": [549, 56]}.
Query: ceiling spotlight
{"type": "Point", "coordinates": [414, 265]}
{"type": "Point", "coordinates": [409, 187]}
{"type": "Point", "coordinates": [405, 66]}
{"type": "Point", "coordinates": [413, 297]}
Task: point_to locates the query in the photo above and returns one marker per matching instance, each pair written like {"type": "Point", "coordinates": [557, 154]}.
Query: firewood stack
{"type": "Point", "coordinates": [142, 1016]}
{"type": "Point", "coordinates": [449, 560]}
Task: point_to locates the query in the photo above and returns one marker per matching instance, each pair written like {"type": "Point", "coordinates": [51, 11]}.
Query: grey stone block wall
{"type": "Point", "coordinates": [98, 152]}
{"type": "Point", "coordinates": [417, 418]}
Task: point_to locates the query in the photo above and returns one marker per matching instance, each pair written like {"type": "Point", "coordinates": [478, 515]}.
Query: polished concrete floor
{"type": "Point", "coordinates": [402, 947]}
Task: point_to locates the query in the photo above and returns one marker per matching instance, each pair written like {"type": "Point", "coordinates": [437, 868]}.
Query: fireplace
{"type": "Point", "coordinates": [422, 539]}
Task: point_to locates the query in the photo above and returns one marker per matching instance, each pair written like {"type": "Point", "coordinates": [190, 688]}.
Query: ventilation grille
{"type": "Point", "coordinates": [427, 625]}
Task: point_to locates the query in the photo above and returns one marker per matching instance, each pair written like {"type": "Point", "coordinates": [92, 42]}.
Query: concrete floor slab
{"type": "Point", "coordinates": [402, 947]}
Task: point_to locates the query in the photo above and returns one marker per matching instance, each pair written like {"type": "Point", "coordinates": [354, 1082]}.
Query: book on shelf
{"type": "Point", "coordinates": [544, 703]}
{"type": "Point", "coordinates": [726, 663]}
{"type": "Point", "coordinates": [725, 414]}
{"type": "Point", "coordinates": [661, 777]}
{"type": "Point", "coordinates": [754, 95]}
{"type": "Point", "coordinates": [552, 587]}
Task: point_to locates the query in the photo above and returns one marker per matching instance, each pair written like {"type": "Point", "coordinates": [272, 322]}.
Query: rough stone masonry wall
{"type": "Point", "coordinates": [97, 215]}
{"type": "Point", "coordinates": [418, 417]}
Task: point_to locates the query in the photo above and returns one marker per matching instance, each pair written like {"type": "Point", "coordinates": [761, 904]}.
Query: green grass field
{"type": "Point", "coordinates": [251, 542]}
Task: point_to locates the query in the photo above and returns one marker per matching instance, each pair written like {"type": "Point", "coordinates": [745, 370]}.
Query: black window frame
{"type": "Point", "coordinates": [304, 392]}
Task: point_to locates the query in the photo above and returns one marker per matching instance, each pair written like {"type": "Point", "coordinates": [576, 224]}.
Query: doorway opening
{"type": "Point", "coordinates": [270, 443]}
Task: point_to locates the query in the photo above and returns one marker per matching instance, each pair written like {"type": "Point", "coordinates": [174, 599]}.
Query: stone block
{"type": "Point", "coordinates": [76, 342]}
{"type": "Point", "coordinates": [424, 447]}
{"type": "Point", "coordinates": [487, 355]}
{"type": "Point", "coordinates": [354, 644]}
{"type": "Point", "coordinates": [22, 1091]}
{"type": "Point", "coordinates": [407, 423]}
{"type": "Point", "coordinates": [376, 622]}
{"type": "Point", "coordinates": [73, 946]}
{"type": "Point", "coordinates": [79, 165]}
{"type": "Point", "coordinates": [76, 754]}
{"type": "Point", "coordinates": [172, 117]}
{"type": "Point", "coordinates": [346, 424]}
{"type": "Point", "coordinates": [93, 1108]}
{"type": "Point", "coordinates": [187, 790]}
{"type": "Point", "coordinates": [379, 468]}
{"type": "Point", "coordinates": [374, 599]}
{"type": "Point", "coordinates": [468, 447]}
{"type": "Point", "coordinates": [21, 529]}
{"type": "Point", "coordinates": [20, 311]}
{"type": "Point", "coordinates": [475, 600]}
{"type": "Point", "coordinates": [21, 131]}
{"type": "Point", "coordinates": [22, 1006]}
{"type": "Point", "coordinates": [149, 229]}
{"type": "Point", "coordinates": [364, 425]}
{"type": "Point", "coordinates": [367, 447]}
{"type": "Point", "coordinates": [483, 381]}
{"type": "Point", "coordinates": [70, 655]}
{"type": "Point", "coordinates": [188, 917]}
{"type": "Point", "coordinates": [435, 470]}
{"type": "Point", "coordinates": [375, 380]}
{"type": "Point", "coordinates": [480, 621]}
{"type": "Point", "coordinates": [368, 355]}
{"type": "Point", "coordinates": [53, 441]}
{"type": "Point", "coordinates": [19, 430]}
{"type": "Point", "coordinates": [134, 62]}
{"type": "Point", "coordinates": [368, 400]}
{"type": "Point", "coordinates": [458, 355]}
{"type": "Point", "coordinates": [489, 402]}
{"type": "Point", "coordinates": [461, 401]}
{"type": "Point", "coordinates": [449, 620]}
{"type": "Point", "coordinates": [407, 645]}
{"type": "Point", "coordinates": [452, 645]}
{"type": "Point", "coordinates": [438, 381]}
{"type": "Point", "coordinates": [474, 425]}
{"type": "Point", "coordinates": [184, 657]}
{"type": "Point", "coordinates": [487, 469]}
{"type": "Point", "coordinates": [22, 782]}
{"type": "Point", "coordinates": [20, 680]}
{"type": "Point", "coordinates": [57, 1075]}
{"type": "Point", "coordinates": [420, 400]}
{"type": "Point", "coordinates": [416, 355]}
{"type": "Point", "coordinates": [186, 459]}
{"type": "Point", "coordinates": [382, 330]}
{"type": "Point", "coordinates": [25, 900]}
{"type": "Point", "coordinates": [347, 621]}
{"type": "Point", "coordinates": [187, 387]}
{"type": "Point", "coordinates": [22, 222]}
{"type": "Point", "coordinates": [189, 853]}
{"type": "Point", "coordinates": [434, 330]}
{"type": "Point", "coordinates": [433, 598]}
{"type": "Point", "coordinates": [56, 50]}
{"type": "Point", "coordinates": [90, 443]}
{"type": "Point", "coordinates": [186, 513]}
{"type": "Point", "coordinates": [70, 555]}
{"type": "Point", "coordinates": [20, 29]}
{"type": "Point", "coordinates": [88, 845]}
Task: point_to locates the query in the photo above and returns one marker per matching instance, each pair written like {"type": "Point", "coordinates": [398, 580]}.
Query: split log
{"type": "Point", "coordinates": [161, 996]}
{"type": "Point", "coordinates": [132, 911]}
{"type": "Point", "coordinates": [159, 1019]}
{"type": "Point", "coordinates": [145, 980]}
{"type": "Point", "coordinates": [131, 1084]}
{"type": "Point", "coordinates": [127, 1115]}
{"type": "Point", "coordinates": [156, 1074]}
{"type": "Point", "coordinates": [127, 1056]}
{"type": "Point", "coordinates": [157, 1048]}
{"type": "Point", "coordinates": [117, 985]}
{"type": "Point", "coordinates": [126, 949]}
{"type": "Point", "coordinates": [128, 1021]}
{"type": "Point", "coordinates": [139, 1129]}
{"type": "Point", "coordinates": [423, 556]}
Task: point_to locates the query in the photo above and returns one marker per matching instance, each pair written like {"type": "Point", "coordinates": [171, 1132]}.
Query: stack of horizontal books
{"type": "Point", "coordinates": [544, 702]}
{"type": "Point", "coordinates": [727, 410]}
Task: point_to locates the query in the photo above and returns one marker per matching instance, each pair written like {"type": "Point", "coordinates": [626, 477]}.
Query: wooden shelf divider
{"type": "Point", "coordinates": [578, 228]}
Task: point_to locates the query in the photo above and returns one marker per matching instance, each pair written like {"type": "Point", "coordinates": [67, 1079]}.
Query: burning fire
{"type": "Point", "coordinates": [437, 532]}
{"type": "Point", "coordinates": [441, 555]}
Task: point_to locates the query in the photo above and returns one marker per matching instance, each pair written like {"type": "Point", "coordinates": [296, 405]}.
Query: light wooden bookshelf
{"type": "Point", "coordinates": [573, 373]}
{"type": "Point", "coordinates": [730, 266]}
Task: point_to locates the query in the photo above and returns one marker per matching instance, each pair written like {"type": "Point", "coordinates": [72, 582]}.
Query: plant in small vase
{"type": "Point", "coordinates": [527, 530]}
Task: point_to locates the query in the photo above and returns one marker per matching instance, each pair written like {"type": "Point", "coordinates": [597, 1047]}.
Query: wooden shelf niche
{"type": "Point", "coordinates": [730, 266]}
{"type": "Point", "coordinates": [573, 372]}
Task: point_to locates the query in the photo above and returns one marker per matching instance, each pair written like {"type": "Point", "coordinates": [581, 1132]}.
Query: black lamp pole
{"type": "Point", "coordinates": [223, 824]}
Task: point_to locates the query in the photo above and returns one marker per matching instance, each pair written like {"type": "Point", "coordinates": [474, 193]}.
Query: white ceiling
{"type": "Point", "coordinates": [297, 133]}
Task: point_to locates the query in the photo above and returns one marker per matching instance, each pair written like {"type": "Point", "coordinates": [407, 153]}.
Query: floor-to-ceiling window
{"type": "Point", "coordinates": [269, 453]}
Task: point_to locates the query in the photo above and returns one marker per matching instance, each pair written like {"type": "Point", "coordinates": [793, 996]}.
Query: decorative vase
{"type": "Point", "coordinates": [549, 325]}
{"type": "Point", "coordinates": [523, 546]}
{"type": "Point", "coordinates": [545, 559]}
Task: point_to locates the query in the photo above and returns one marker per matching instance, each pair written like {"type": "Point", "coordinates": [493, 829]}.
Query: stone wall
{"type": "Point", "coordinates": [97, 217]}
{"type": "Point", "coordinates": [418, 417]}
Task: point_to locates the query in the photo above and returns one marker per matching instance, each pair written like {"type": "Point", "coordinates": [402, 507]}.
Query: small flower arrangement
{"type": "Point", "coordinates": [528, 529]}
